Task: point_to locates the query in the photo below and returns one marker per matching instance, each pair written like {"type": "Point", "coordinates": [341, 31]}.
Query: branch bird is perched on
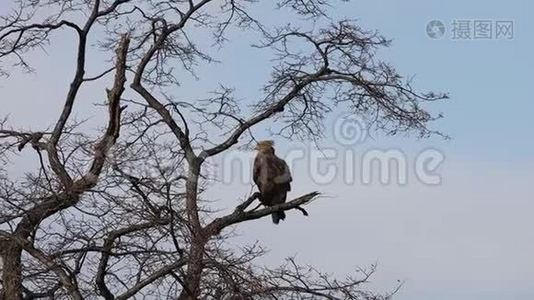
{"type": "Point", "coordinates": [273, 178]}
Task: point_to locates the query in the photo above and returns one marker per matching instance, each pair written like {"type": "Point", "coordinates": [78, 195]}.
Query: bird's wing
{"type": "Point", "coordinates": [262, 174]}
{"type": "Point", "coordinates": [283, 174]}
{"type": "Point", "coordinates": [287, 172]}
{"type": "Point", "coordinates": [256, 170]}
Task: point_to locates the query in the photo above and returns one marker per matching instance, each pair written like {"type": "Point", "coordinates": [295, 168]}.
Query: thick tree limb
{"type": "Point", "coordinates": [239, 216]}
{"type": "Point", "coordinates": [67, 280]}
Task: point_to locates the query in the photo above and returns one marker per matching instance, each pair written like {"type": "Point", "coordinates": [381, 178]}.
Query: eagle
{"type": "Point", "coordinates": [272, 176]}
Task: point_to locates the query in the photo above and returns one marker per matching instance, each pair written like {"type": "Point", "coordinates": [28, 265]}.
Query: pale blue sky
{"type": "Point", "coordinates": [470, 238]}
{"type": "Point", "coordinates": [489, 115]}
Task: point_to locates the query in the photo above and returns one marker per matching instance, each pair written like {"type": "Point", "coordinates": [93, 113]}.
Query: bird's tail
{"type": "Point", "coordinates": [277, 216]}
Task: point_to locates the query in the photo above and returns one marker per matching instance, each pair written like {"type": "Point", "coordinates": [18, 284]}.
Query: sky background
{"type": "Point", "coordinates": [469, 238]}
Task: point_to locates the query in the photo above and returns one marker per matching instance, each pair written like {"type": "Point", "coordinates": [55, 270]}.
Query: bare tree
{"type": "Point", "coordinates": [89, 222]}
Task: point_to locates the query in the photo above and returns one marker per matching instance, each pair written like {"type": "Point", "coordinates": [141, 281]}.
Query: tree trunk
{"type": "Point", "coordinates": [12, 271]}
{"type": "Point", "coordinates": [191, 289]}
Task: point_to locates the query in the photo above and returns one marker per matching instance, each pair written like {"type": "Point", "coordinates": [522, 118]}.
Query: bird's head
{"type": "Point", "coordinates": [265, 146]}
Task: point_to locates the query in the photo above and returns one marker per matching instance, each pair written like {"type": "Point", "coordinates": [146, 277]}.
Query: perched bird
{"type": "Point", "coordinates": [273, 178]}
